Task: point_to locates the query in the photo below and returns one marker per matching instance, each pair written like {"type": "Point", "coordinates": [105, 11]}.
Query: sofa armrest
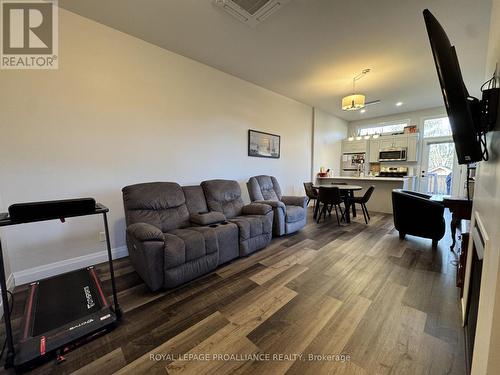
{"type": "Point", "coordinates": [294, 201]}
{"type": "Point", "coordinates": [207, 218]}
{"type": "Point", "coordinates": [256, 209]}
{"type": "Point", "coordinates": [145, 232]}
{"type": "Point", "coordinates": [273, 204]}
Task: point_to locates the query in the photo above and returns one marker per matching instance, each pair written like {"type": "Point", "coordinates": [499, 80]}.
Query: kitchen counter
{"type": "Point", "coordinates": [381, 199]}
{"type": "Point", "coordinates": [367, 178]}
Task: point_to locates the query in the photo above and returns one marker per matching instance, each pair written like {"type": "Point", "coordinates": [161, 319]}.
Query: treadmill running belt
{"type": "Point", "coordinates": [65, 298]}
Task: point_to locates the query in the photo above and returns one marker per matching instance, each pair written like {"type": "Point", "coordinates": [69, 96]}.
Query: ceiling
{"type": "Point", "coordinates": [311, 49]}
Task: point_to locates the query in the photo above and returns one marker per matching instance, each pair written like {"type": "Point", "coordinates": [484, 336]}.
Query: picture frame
{"type": "Point", "coordinates": [263, 145]}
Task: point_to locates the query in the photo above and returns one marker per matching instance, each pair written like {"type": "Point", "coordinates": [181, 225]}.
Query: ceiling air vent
{"type": "Point", "coordinates": [251, 12]}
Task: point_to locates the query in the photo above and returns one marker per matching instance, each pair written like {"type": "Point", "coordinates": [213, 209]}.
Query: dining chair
{"type": "Point", "coordinates": [341, 183]}
{"type": "Point", "coordinates": [343, 194]}
{"type": "Point", "coordinates": [330, 198]}
{"type": "Point", "coordinates": [311, 193]}
{"type": "Point", "coordinates": [362, 202]}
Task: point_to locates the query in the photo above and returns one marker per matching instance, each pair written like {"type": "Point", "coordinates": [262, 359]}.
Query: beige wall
{"type": "Point", "coordinates": [121, 111]}
{"type": "Point", "coordinates": [486, 359]}
{"type": "Point", "coordinates": [328, 134]}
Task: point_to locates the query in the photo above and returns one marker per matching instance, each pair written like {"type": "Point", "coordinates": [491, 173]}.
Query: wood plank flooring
{"type": "Point", "coordinates": [328, 300]}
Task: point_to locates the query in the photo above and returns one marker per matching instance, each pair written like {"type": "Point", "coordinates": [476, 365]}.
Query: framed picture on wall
{"type": "Point", "coordinates": [263, 145]}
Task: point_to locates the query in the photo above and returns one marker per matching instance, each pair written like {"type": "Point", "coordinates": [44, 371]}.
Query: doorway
{"type": "Point", "coordinates": [440, 173]}
{"type": "Point", "coordinates": [439, 167]}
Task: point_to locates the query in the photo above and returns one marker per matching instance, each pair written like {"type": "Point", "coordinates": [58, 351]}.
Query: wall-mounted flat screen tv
{"type": "Point", "coordinates": [456, 97]}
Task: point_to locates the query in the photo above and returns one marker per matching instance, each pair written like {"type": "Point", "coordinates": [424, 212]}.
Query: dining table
{"type": "Point", "coordinates": [348, 191]}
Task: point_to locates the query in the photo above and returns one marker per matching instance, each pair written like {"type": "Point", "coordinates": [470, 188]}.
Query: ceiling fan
{"type": "Point", "coordinates": [355, 102]}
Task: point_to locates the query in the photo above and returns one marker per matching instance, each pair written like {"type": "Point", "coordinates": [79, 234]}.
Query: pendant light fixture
{"type": "Point", "coordinates": [355, 101]}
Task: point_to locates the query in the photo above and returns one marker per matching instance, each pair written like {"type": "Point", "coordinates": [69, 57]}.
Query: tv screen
{"type": "Point", "coordinates": [455, 95]}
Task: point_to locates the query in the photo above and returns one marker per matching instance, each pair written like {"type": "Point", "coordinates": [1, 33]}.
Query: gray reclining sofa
{"type": "Point", "coordinates": [175, 234]}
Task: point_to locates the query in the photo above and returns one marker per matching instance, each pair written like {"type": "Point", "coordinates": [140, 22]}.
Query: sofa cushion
{"type": "Point", "coordinates": [185, 272]}
{"type": "Point", "coordinates": [223, 196]}
{"type": "Point", "coordinates": [264, 188]}
{"type": "Point", "coordinates": [270, 190]}
{"type": "Point", "coordinates": [294, 213]}
{"type": "Point", "coordinates": [252, 226]}
{"type": "Point", "coordinates": [197, 242]}
{"type": "Point", "coordinates": [228, 241]}
{"type": "Point", "coordinates": [161, 204]}
{"type": "Point", "coordinates": [195, 199]}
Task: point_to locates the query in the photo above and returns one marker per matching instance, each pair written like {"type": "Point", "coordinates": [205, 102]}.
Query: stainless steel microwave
{"type": "Point", "coordinates": [392, 154]}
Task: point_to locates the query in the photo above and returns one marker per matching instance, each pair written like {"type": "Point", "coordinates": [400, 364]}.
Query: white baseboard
{"type": "Point", "coordinates": [36, 273]}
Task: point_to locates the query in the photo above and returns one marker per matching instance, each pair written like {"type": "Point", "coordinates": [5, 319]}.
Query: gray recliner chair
{"type": "Point", "coordinates": [254, 220]}
{"type": "Point", "coordinates": [290, 213]}
{"type": "Point", "coordinates": [165, 248]}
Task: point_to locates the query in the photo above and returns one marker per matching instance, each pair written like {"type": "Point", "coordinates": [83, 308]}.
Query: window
{"type": "Point", "coordinates": [437, 127]}
{"type": "Point", "coordinates": [383, 129]}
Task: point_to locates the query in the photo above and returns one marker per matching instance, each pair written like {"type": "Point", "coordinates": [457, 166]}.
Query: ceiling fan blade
{"type": "Point", "coordinates": [372, 102]}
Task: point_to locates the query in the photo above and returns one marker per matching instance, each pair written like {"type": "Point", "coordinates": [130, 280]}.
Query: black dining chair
{"type": "Point", "coordinates": [330, 198]}
{"type": "Point", "coordinates": [342, 192]}
{"type": "Point", "coordinates": [362, 202]}
{"type": "Point", "coordinates": [311, 193]}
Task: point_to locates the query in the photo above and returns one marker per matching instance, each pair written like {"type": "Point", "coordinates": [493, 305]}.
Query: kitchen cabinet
{"type": "Point", "coordinates": [387, 142]}
{"type": "Point", "coordinates": [374, 150]}
{"type": "Point", "coordinates": [400, 142]}
{"type": "Point", "coordinates": [394, 141]}
{"type": "Point", "coordinates": [412, 148]}
{"type": "Point", "coordinates": [356, 146]}
{"type": "Point", "coordinates": [408, 141]}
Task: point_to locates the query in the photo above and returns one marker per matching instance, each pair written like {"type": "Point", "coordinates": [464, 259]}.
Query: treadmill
{"type": "Point", "coordinates": [64, 310]}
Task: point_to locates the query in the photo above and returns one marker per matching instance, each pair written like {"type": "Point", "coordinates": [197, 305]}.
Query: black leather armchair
{"type": "Point", "coordinates": [417, 215]}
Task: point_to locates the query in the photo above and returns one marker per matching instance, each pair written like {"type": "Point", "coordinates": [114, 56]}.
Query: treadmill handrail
{"type": "Point", "coordinates": [5, 219]}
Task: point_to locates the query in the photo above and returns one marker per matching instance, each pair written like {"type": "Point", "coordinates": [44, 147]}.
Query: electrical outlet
{"type": "Point", "coordinates": [102, 237]}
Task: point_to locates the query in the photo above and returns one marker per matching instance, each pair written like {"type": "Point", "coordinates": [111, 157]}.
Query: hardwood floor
{"type": "Point", "coordinates": [355, 298]}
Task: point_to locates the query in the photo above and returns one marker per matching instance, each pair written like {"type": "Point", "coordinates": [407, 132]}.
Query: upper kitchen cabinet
{"type": "Point", "coordinates": [386, 142]}
{"type": "Point", "coordinates": [401, 141]}
{"type": "Point", "coordinates": [354, 146]}
{"type": "Point", "coordinates": [408, 141]}
{"type": "Point", "coordinates": [394, 141]}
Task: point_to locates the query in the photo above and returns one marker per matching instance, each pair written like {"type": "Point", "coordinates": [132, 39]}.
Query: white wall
{"type": "Point", "coordinates": [486, 359]}
{"type": "Point", "coordinates": [329, 131]}
{"type": "Point", "coordinates": [415, 117]}
{"type": "Point", "coordinates": [121, 111]}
